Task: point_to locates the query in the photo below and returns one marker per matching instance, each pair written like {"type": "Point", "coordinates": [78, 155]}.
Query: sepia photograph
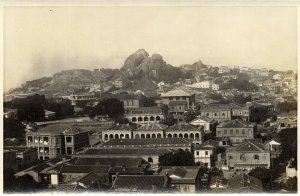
{"type": "Point", "coordinates": [149, 98]}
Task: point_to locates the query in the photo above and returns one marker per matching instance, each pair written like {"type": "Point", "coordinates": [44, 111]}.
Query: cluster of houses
{"type": "Point", "coordinates": [125, 157]}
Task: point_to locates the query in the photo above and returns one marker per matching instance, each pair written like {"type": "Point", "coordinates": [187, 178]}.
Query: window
{"type": "Point", "coordinates": [150, 160]}
{"type": "Point", "coordinates": [230, 157]}
{"type": "Point", "coordinates": [237, 131]}
{"type": "Point", "coordinates": [242, 157]}
{"type": "Point", "coordinates": [219, 132]}
{"type": "Point", "coordinates": [216, 114]}
{"type": "Point", "coordinates": [231, 131]}
{"type": "Point", "coordinates": [197, 152]}
{"type": "Point", "coordinates": [69, 139]}
{"type": "Point", "coordinates": [29, 138]}
{"type": "Point", "coordinates": [46, 139]}
{"type": "Point", "coordinates": [256, 157]}
{"type": "Point", "coordinates": [177, 98]}
{"type": "Point", "coordinates": [56, 141]}
{"type": "Point", "coordinates": [206, 152]}
{"type": "Point", "coordinates": [69, 150]}
{"type": "Point", "coordinates": [46, 150]}
{"type": "Point", "coordinates": [28, 158]}
{"type": "Point", "coordinates": [243, 132]}
{"type": "Point", "coordinates": [41, 150]}
{"type": "Point", "coordinates": [207, 114]}
{"type": "Point", "coordinates": [223, 114]}
{"type": "Point", "coordinates": [52, 140]}
{"type": "Point", "coordinates": [58, 150]}
{"type": "Point", "coordinates": [180, 108]}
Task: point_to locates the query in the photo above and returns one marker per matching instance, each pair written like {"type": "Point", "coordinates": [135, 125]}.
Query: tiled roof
{"type": "Point", "coordinates": [113, 161]}
{"type": "Point", "coordinates": [236, 123]}
{"type": "Point", "coordinates": [204, 118]}
{"type": "Point", "coordinates": [208, 145]}
{"type": "Point", "coordinates": [121, 127]}
{"type": "Point", "coordinates": [181, 174]}
{"type": "Point", "coordinates": [242, 181]}
{"type": "Point", "coordinates": [183, 127]}
{"type": "Point", "coordinates": [177, 92]}
{"type": "Point", "coordinates": [126, 151]}
{"type": "Point", "coordinates": [147, 141]}
{"type": "Point", "coordinates": [128, 96]}
{"type": "Point", "coordinates": [144, 110]}
{"type": "Point", "coordinates": [152, 127]}
{"type": "Point", "coordinates": [99, 169]}
{"type": "Point", "coordinates": [20, 149]}
{"type": "Point", "coordinates": [250, 146]}
{"type": "Point", "coordinates": [218, 180]}
{"type": "Point", "coordinates": [216, 106]}
{"type": "Point", "coordinates": [61, 128]}
{"type": "Point", "coordinates": [140, 182]}
{"type": "Point", "coordinates": [126, 170]}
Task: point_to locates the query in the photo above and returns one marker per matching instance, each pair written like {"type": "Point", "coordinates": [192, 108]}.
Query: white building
{"type": "Point", "coordinates": [208, 123]}
{"type": "Point", "coordinates": [203, 84]}
{"type": "Point", "coordinates": [206, 153]}
{"type": "Point", "coordinates": [215, 87]}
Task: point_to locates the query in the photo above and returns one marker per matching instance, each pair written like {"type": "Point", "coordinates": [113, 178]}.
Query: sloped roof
{"type": "Point", "coordinates": [183, 127]}
{"type": "Point", "coordinates": [126, 151]}
{"type": "Point", "coordinates": [20, 149]}
{"type": "Point", "coordinates": [89, 179]}
{"type": "Point", "coordinates": [152, 127]}
{"type": "Point", "coordinates": [61, 128]}
{"type": "Point", "coordinates": [208, 145]}
{"type": "Point", "coordinates": [126, 170]}
{"type": "Point", "coordinates": [147, 141]}
{"type": "Point", "coordinates": [122, 127]}
{"type": "Point", "coordinates": [140, 182]}
{"type": "Point", "coordinates": [203, 118]}
{"type": "Point", "coordinates": [181, 174]}
{"type": "Point", "coordinates": [177, 92]}
{"type": "Point", "coordinates": [216, 106]}
{"type": "Point", "coordinates": [236, 123]}
{"type": "Point", "coordinates": [245, 182]}
{"type": "Point", "coordinates": [99, 169]}
{"type": "Point", "coordinates": [250, 146]}
{"type": "Point", "coordinates": [112, 161]}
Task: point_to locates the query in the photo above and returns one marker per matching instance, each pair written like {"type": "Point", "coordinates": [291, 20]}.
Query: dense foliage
{"type": "Point", "coordinates": [13, 129]}
{"type": "Point", "coordinates": [179, 158]}
{"type": "Point", "coordinates": [111, 107]}
{"type": "Point", "coordinates": [263, 174]}
{"type": "Point", "coordinates": [287, 106]}
{"type": "Point", "coordinates": [61, 109]}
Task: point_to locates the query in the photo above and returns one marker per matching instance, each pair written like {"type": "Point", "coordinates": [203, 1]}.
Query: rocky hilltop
{"type": "Point", "coordinates": [139, 66]}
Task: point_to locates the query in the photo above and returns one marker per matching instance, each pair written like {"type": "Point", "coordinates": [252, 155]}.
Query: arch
{"type": "Point", "coordinates": [133, 119]}
{"type": "Point", "coordinates": [157, 118]}
{"type": "Point", "coordinates": [151, 118]}
{"type": "Point", "coordinates": [169, 135]}
{"type": "Point", "coordinates": [111, 136]}
{"type": "Point", "coordinates": [153, 135]}
{"type": "Point", "coordinates": [140, 119]}
{"type": "Point", "coordinates": [145, 118]}
{"type": "Point", "coordinates": [186, 136]}
{"type": "Point", "coordinates": [191, 136]}
{"type": "Point", "coordinates": [175, 135]}
{"type": "Point", "coordinates": [121, 136]}
{"type": "Point", "coordinates": [150, 160]}
{"type": "Point", "coordinates": [137, 136]}
{"type": "Point", "coordinates": [197, 136]}
{"type": "Point", "coordinates": [142, 135]}
{"type": "Point", "coordinates": [116, 136]}
{"type": "Point", "coordinates": [159, 135]}
{"type": "Point", "coordinates": [180, 135]}
{"type": "Point", "coordinates": [148, 135]}
{"type": "Point", "coordinates": [106, 137]}
{"type": "Point", "coordinates": [126, 136]}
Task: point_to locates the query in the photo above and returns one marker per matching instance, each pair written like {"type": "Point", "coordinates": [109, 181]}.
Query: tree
{"type": "Point", "coordinates": [13, 129]}
{"type": "Point", "coordinates": [240, 99]}
{"type": "Point", "coordinates": [165, 110]}
{"type": "Point", "coordinates": [169, 120]}
{"type": "Point", "coordinates": [189, 116]}
{"type": "Point", "coordinates": [111, 107]}
{"type": "Point", "coordinates": [61, 109]}
{"type": "Point", "coordinates": [178, 158]}
{"type": "Point", "coordinates": [263, 174]}
{"type": "Point", "coordinates": [30, 108]}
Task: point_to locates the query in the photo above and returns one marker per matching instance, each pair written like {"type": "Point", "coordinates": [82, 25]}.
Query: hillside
{"type": "Point", "coordinates": [142, 71]}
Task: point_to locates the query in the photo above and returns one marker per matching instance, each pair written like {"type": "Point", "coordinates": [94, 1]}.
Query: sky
{"type": "Point", "coordinates": [41, 41]}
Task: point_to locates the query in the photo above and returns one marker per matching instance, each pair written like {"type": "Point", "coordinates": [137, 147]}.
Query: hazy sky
{"type": "Point", "coordinates": [40, 41]}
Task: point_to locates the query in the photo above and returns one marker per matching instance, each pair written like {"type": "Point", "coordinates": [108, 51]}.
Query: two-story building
{"type": "Point", "coordinates": [117, 131]}
{"type": "Point", "coordinates": [57, 139]}
{"type": "Point", "coordinates": [144, 115]}
{"type": "Point", "coordinates": [153, 130]}
{"type": "Point", "coordinates": [208, 124]}
{"type": "Point", "coordinates": [179, 94]}
{"type": "Point", "coordinates": [132, 100]}
{"type": "Point", "coordinates": [236, 130]}
{"type": "Point", "coordinates": [247, 155]}
{"type": "Point", "coordinates": [218, 112]}
{"type": "Point", "coordinates": [206, 153]}
{"type": "Point", "coordinates": [186, 130]}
